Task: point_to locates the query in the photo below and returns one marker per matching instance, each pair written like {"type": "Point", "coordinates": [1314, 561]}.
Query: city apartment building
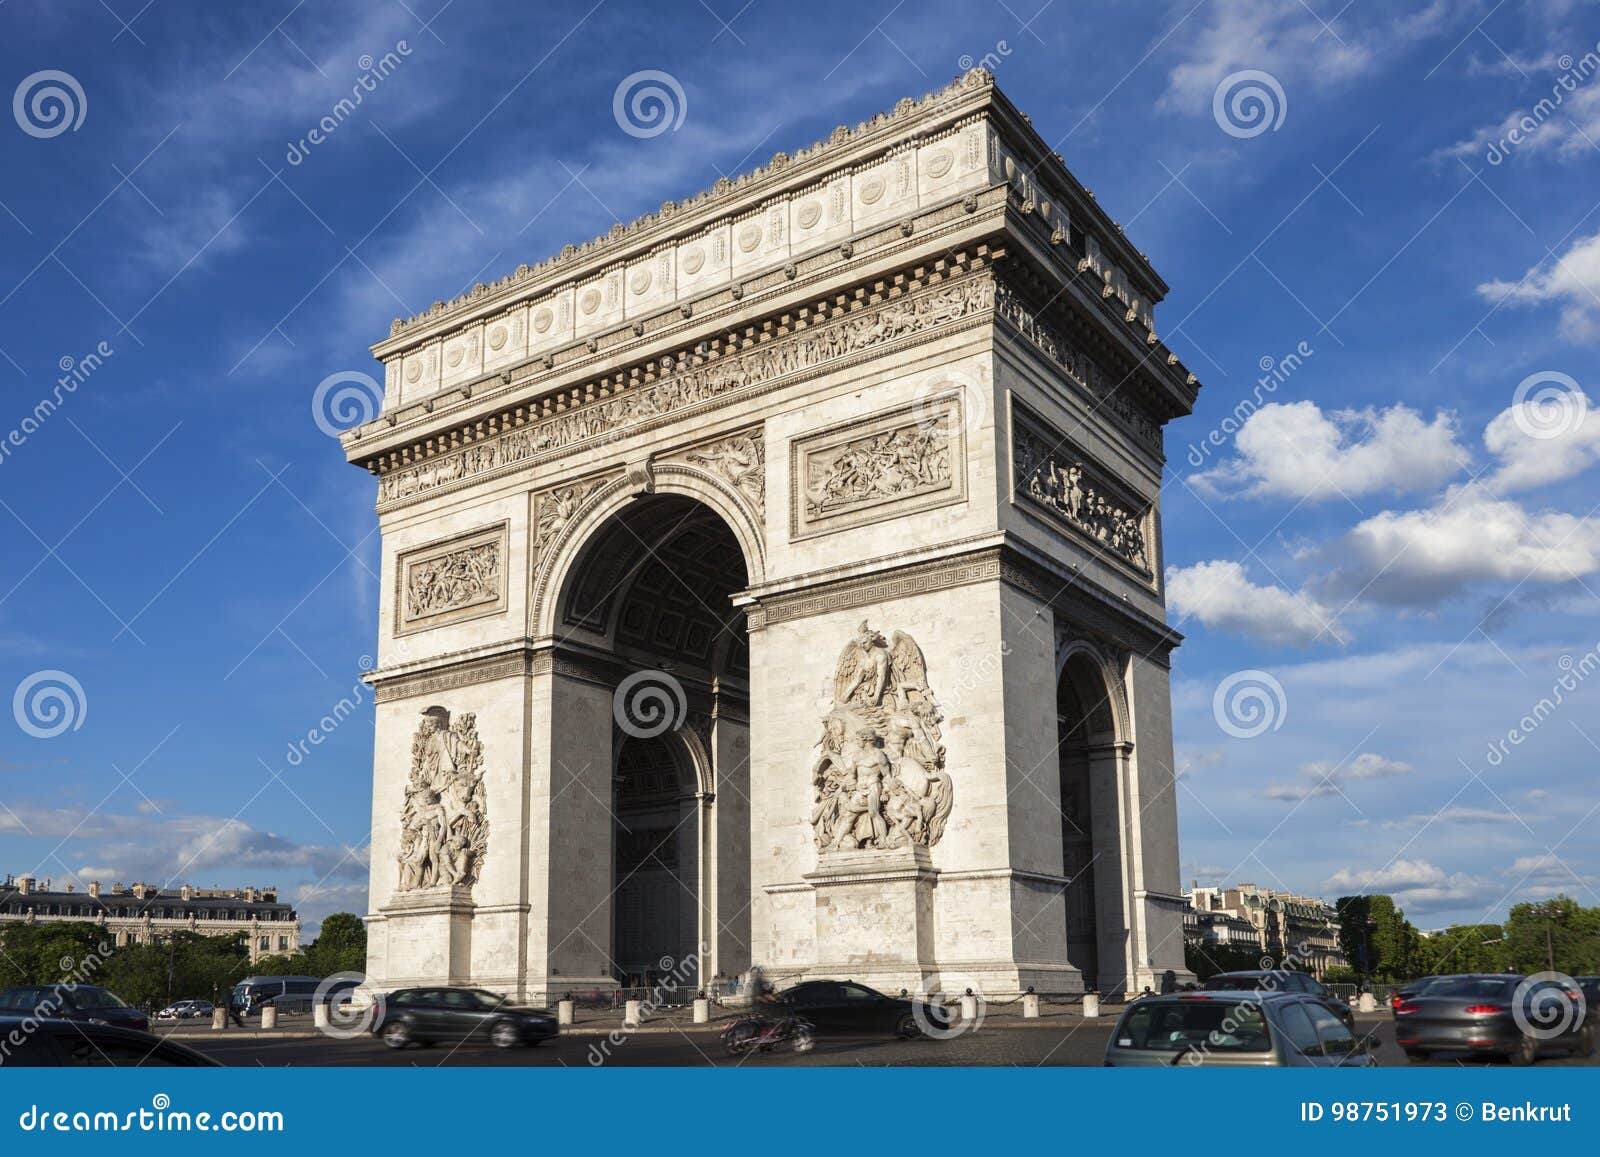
{"type": "Point", "coordinates": [1300, 930]}
{"type": "Point", "coordinates": [145, 914]}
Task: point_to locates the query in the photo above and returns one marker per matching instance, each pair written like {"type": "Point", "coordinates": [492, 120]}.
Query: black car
{"type": "Point", "coordinates": [51, 1042]}
{"type": "Point", "coordinates": [79, 1002]}
{"type": "Point", "coordinates": [1494, 1014]}
{"type": "Point", "coordinates": [425, 1016]}
{"type": "Point", "coordinates": [1281, 980]}
{"type": "Point", "coordinates": [845, 1006]}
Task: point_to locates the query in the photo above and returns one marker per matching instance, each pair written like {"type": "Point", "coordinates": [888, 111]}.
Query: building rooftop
{"type": "Point", "coordinates": [139, 897]}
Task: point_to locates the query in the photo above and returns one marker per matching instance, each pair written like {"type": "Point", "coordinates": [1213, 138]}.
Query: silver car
{"type": "Point", "coordinates": [1235, 1029]}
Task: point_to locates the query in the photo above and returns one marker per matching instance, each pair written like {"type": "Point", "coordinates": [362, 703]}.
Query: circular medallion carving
{"type": "Point", "coordinates": [497, 337]}
{"type": "Point", "coordinates": [453, 357]}
{"type": "Point", "coordinates": [590, 301]}
{"type": "Point", "coordinates": [873, 190]}
{"type": "Point", "coordinates": [413, 371]}
{"type": "Point", "coordinates": [749, 238]}
{"type": "Point", "coordinates": [694, 262]}
{"type": "Point", "coordinates": [940, 163]}
{"type": "Point", "coordinates": [640, 281]}
{"type": "Point", "coordinates": [810, 214]}
{"type": "Point", "coordinates": [542, 320]}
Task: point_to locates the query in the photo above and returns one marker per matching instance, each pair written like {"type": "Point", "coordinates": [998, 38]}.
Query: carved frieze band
{"type": "Point", "coordinates": [1056, 478]}
{"type": "Point", "coordinates": [772, 362]}
{"type": "Point", "coordinates": [1068, 356]}
{"type": "Point", "coordinates": [908, 459]}
{"type": "Point", "coordinates": [458, 578]}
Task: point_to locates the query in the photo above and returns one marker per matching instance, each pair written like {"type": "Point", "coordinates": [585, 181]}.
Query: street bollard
{"type": "Point", "coordinates": [630, 1014]}
{"type": "Point", "coordinates": [219, 1018]}
{"type": "Point", "coordinates": [969, 1008]}
{"type": "Point", "coordinates": [563, 1012]}
{"type": "Point", "coordinates": [319, 1015]}
{"type": "Point", "coordinates": [1367, 1003]}
{"type": "Point", "coordinates": [702, 1011]}
{"type": "Point", "coordinates": [1030, 1006]}
{"type": "Point", "coordinates": [269, 1017]}
{"type": "Point", "coordinates": [1091, 1004]}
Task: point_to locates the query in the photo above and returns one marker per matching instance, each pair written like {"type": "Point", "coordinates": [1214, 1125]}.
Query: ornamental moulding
{"type": "Point", "coordinates": [831, 343]}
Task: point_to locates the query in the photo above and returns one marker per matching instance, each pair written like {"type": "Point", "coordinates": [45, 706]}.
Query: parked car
{"type": "Point", "coordinates": [1234, 1028]}
{"type": "Point", "coordinates": [186, 1010]}
{"type": "Point", "coordinates": [1281, 980]}
{"type": "Point", "coordinates": [90, 1044]}
{"type": "Point", "coordinates": [77, 1002]}
{"type": "Point", "coordinates": [1479, 1013]}
{"type": "Point", "coordinates": [1590, 987]}
{"type": "Point", "coordinates": [425, 1016]}
{"type": "Point", "coordinates": [845, 1006]}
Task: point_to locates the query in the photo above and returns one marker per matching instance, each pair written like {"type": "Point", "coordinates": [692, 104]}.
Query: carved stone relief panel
{"type": "Point", "coordinates": [740, 460]}
{"type": "Point", "coordinates": [1055, 478]}
{"type": "Point", "coordinates": [443, 826]}
{"type": "Point", "coordinates": [880, 779]}
{"type": "Point", "coordinates": [463, 577]}
{"type": "Point", "coordinates": [907, 459]}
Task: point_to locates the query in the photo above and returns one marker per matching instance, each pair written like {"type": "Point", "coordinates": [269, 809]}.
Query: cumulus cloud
{"type": "Point", "coordinates": [1470, 536]}
{"type": "Point", "coordinates": [1414, 883]}
{"type": "Point", "coordinates": [1541, 440]}
{"type": "Point", "coordinates": [1573, 283]}
{"type": "Point", "coordinates": [1296, 450]}
{"type": "Point", "coordinates": [1221, 595]}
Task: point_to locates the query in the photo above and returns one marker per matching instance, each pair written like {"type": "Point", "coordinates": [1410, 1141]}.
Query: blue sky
{"type": "Point", "coordinates": [1398, 547]}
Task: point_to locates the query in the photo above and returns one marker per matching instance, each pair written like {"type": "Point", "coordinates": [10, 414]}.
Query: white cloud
{"type": "Point", "coordinates": [1417, 883]}
{"type": "Point", "coordinates": [1289, 41]}
{"type": "Point", "coordinates": [1573, 282]}
{"type": "Point", "coordinates": [1459, 815]}
{"type": "Point", "coordinates": [1570, 443]}
{"type": "Point", "coordinates": [1221, 595]}
{"type": "Point", "coordinates": [1566, 133]}
{"type": "Point", "coordinates": [1295, 450]}
{"type": "Point", "coordinates": [1326, 777]}
{"type": "Point", "coordinates": [1469, 537]}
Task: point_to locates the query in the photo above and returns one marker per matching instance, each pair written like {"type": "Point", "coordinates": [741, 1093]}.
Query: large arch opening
{"type": "Point", "coordinates": [652, 589]}
{"type": "Point", "coordinates": [1086, 733]}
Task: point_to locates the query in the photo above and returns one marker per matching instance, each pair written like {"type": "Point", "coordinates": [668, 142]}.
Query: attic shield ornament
{"type": "Point", "coordinates": [880, 779]}
{"type": "Point", "coordinates": [443, 826]}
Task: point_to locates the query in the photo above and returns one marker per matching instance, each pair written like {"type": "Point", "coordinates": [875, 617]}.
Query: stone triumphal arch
{"type": "Point", "coordinates": [777, 579]}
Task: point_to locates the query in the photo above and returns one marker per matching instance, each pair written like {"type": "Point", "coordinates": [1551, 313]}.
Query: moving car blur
{"type": "Point", "coordinates": [1235, 1028]}
{"type": "Point", "coordinates": [843, 1006]}
{"type": "Point", "coordinates": [77, 1002]}
{"type": "Point", "coordinates": [62, 1043]}
{"type": "Point", "coordinates": [1280, 980]}
{"type": "Point", "coordinates": [425, 1016]}
{"type": "Point", "coordinates": [1517, 1017]}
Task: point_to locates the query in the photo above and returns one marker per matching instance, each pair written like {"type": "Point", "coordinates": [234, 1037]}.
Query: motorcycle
{"type": "Point", "coordinates": [764, 1033]}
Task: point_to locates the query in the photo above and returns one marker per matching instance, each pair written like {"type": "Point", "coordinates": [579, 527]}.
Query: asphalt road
{"type": "Point", "coordinates": [1065, 1042]}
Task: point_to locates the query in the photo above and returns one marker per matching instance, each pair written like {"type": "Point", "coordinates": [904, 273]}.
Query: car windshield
{"type": "Point", "coordinates": [1223, 1026]}
{"type": "Point", "coordinates": [483, 999]}
{"type": "Point", "coordinates": [1471, 986]}
{"type": "Point", "coordinates": [84, 998]}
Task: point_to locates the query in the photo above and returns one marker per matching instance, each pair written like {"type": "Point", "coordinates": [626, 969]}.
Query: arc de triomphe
{"type": "Point", "coordinates": [777, 578]}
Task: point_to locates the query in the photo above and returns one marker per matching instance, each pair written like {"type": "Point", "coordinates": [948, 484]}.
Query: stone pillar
{"type": "Point", "coordinates": [429, 934]}
{"type": "Point", "coordinates": [563, 1012]}
{"type": "Point", "coordinates": [269, 1017]}
{"type": "Point", "coordinates": [570, 830]}
{"type": "Point", "coordinates": [874, 914]}
{"type": "Point", "coordinates": [1109, 812]}
{"type": "Point", "coordinates": [727, 818]}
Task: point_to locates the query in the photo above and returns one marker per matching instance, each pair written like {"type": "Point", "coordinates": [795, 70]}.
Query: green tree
{"type": "Point", "coordinates": [1557, 933]}
{"type": "Point", "coordinates": [1374, 928]}
{"type": "Point", "coordinates": [1206, 960]}
{"type": "Point", "coordinates": [340, 946]}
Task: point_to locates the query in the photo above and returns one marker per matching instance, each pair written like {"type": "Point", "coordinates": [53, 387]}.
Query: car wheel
{"type": "Point", "coordinates": [505, 1035]}
{"type": "Point", "coordinates": [1526, 1053]}
{"type": "Point", "coordinates": [908, 1028]}
{"type": "Point", "coordinates": [397, 1034]}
